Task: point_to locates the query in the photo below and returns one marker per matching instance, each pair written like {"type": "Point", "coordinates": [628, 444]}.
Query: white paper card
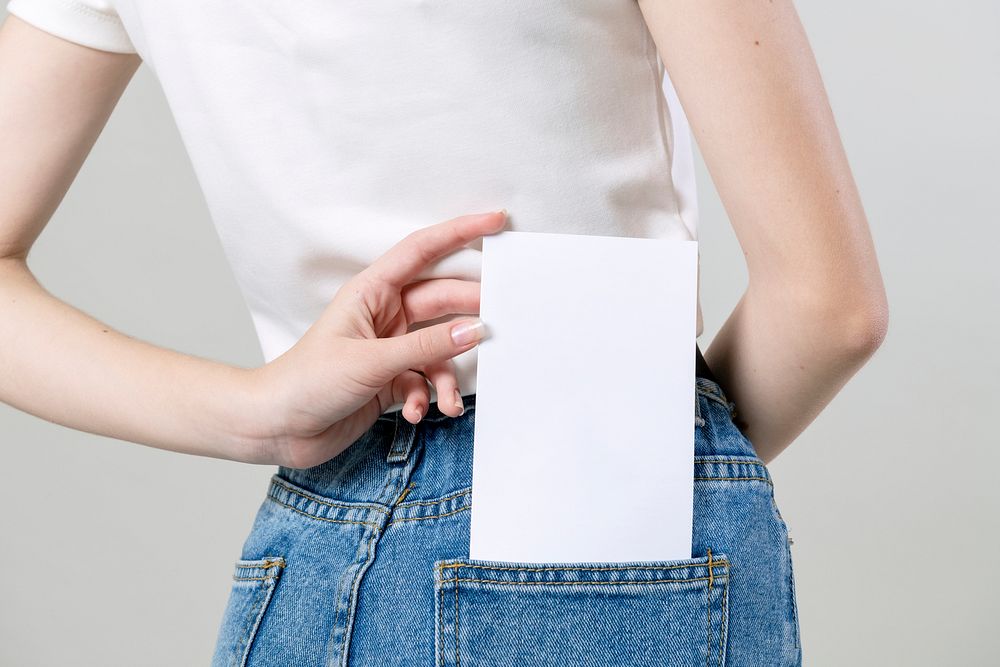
{"type": "Point", "coordinates": [584, 425]}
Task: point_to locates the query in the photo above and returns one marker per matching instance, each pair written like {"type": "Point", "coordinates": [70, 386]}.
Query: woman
{"type": "Point", "coordinates": [322, 133]}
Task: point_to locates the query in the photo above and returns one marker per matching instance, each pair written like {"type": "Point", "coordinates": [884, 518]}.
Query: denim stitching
{"type": "Point", "coordinates": [336, 610]}
{"type": "Point", "coordinates": [432, 516]}
{"type": "Point", "coordinates": [456, 623]}
{"type": "Point", "coordinates": [440, 568]}
{"type": "Point", "coordinates": [321, 518]}
{"type": "Point", "coordinates": [266, 564]}
{"type": "Point", "coordinates": [406, 491]}
{"type": "Point", "coordinates": [316, 499]}
{"type": "Point", "coordinates": [791, 587]}
{"type": "Point", "coordinates": [733, 479]}
{"type": "Point", "coordinates": [708, 607]}
{"type": "Point", "coordinates": [414, 503]}
{"type": "Point", "coordinates": [467, 491]}
{"type": "Point", "coordinates": [440, 637]}
{"type": "Point", "coordinates": [602, 583]}
{"type": "Point", "coordinates": [754, 461]}
{"type": "Point", "coordinates": [350, 593]}
{"type": "Point", "coordinates": [391, 478]}
{"type": "Point", "coordinates": [245, 642]}
{"type": "Point", "coordinates": [256, 617]}
{"type": "Point", "coordinates": [441, 626]}
{"type": "Point", "coordinates": [723, 623]}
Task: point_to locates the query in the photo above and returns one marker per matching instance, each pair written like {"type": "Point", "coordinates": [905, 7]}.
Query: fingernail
{"type": "Point", "coordinates": [419, 413]}
{"type": "Point", "coordinates": [504, 211]}
{"type": "Point", "coordinates": [468, 331]}
{"type": "Point", "coordinates": [459, 403]}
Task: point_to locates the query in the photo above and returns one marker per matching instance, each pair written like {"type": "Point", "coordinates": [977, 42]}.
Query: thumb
{"type": "Point", "coordinates": [429, 345]}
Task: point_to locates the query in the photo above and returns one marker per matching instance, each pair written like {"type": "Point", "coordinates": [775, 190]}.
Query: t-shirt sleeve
{"type": "Point", "coordinates": [93, 23]}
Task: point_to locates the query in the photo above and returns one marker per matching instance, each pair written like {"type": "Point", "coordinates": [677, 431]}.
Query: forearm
{"type": "Point", "coordinates": [782, 361]}
{"type": "Point", "coordinates": [65, 366]}
{"type": "Point", "coordinates": [815, 309]}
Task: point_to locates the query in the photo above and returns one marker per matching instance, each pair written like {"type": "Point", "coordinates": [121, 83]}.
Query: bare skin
{"type": "Point", "coordinates": [813, 313]}
{"type": "Point", "coordinates": [815, 308]}
{"type": "Point", "coordinates": [299, 410]}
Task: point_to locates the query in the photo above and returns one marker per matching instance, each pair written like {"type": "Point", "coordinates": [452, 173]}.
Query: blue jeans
{"type": "Point", "coordinates": [363, 560]}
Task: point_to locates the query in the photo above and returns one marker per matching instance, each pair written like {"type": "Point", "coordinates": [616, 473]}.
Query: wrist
{"type": "Point", "coordinates": [253, 427]}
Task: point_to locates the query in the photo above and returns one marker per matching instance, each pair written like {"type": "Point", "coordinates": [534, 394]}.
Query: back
{"type": "Point", "coordinates": [322, 133]}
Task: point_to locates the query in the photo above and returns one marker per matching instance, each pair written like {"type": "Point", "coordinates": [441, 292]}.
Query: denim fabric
{"type": "Point", "coordinates": [364, 561]}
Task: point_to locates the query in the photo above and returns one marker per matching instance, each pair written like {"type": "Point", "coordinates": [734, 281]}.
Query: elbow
{"type": "Point", "coordinates": [859, 329]}
{"type": "Point", "coordinates": [850, 323]}
{"type": "Point", "coordinates": [866, 329]}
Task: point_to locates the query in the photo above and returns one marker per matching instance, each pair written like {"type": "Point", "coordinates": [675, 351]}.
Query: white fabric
{"type": "Point", "coordinates": [93, 23]}
{"type": "Point", "coordinates": [322, 132]}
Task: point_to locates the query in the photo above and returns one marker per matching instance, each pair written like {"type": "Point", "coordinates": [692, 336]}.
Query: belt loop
{"type": "Point", "coordinates": [403, 436]}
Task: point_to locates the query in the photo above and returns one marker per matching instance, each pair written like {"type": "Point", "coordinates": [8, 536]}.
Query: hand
{"type": "Point", "coordinates": [360, 356]}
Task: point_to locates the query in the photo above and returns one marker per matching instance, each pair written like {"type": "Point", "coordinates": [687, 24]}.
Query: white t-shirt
{"type": "Point", "coordinates": [323, 132]}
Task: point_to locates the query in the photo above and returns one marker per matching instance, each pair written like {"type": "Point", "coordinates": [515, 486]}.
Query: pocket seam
{"type": "Point", "coordinates": [268, 583]}
{"type": "Point", "coordinates": [457, 663]}
{"type": "Point", "coordinates": [722, 612]}
{"type": "Point", "coordinates": [265, 564]}
{"type": "Point", "coordinates": [719, 574]}
{"type": "Point", "coordinates": [583, 582]}
{"type": "Point", "coordinates": [582, 568]}
{"type": "Point", "coordinates": [723, 625]}
{"type": "Point", "coordinates": [708, 611]}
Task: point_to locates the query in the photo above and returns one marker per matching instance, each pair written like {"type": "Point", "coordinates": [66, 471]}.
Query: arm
{"type": "Point", "coordinates": [57, 362]}
{"type": "Point", "coordinates": [815, 308]}
{"type": "Point", "coordinates": [300, 409]}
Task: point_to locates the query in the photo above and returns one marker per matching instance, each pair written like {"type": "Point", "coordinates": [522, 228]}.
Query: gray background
{"type": "Point", "coordinates": [119, 554]}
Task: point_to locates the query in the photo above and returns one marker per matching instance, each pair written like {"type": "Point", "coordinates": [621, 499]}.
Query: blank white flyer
{"type": "Point", "coordinates": [584, 424]}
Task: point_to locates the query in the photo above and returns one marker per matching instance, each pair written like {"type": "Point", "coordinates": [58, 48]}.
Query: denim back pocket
{"type": "Point", "coordinates": [599, 614]}
{"type": "Point", "coordinates": [253, 587]}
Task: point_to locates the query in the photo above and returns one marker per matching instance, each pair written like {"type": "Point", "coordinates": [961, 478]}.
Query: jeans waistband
{"type": "Point", "coordinates": [702, 385]}
{"type": "Point", "coordinates": [426, 468]}
{"type": "Point", "coordinates": [705, 384]}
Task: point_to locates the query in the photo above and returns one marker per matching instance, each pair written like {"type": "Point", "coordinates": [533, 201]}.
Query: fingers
{"type": "Point", "coordinates": [410, 388]}
{"type": "Point", "coordinates": [423, 347]}
{"type": "Point", "coordinates": [442, 376]}
{"type": "Point", "coordinates": [404, 261]}
{"type": "Point", "coordinates": [430, 299]}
